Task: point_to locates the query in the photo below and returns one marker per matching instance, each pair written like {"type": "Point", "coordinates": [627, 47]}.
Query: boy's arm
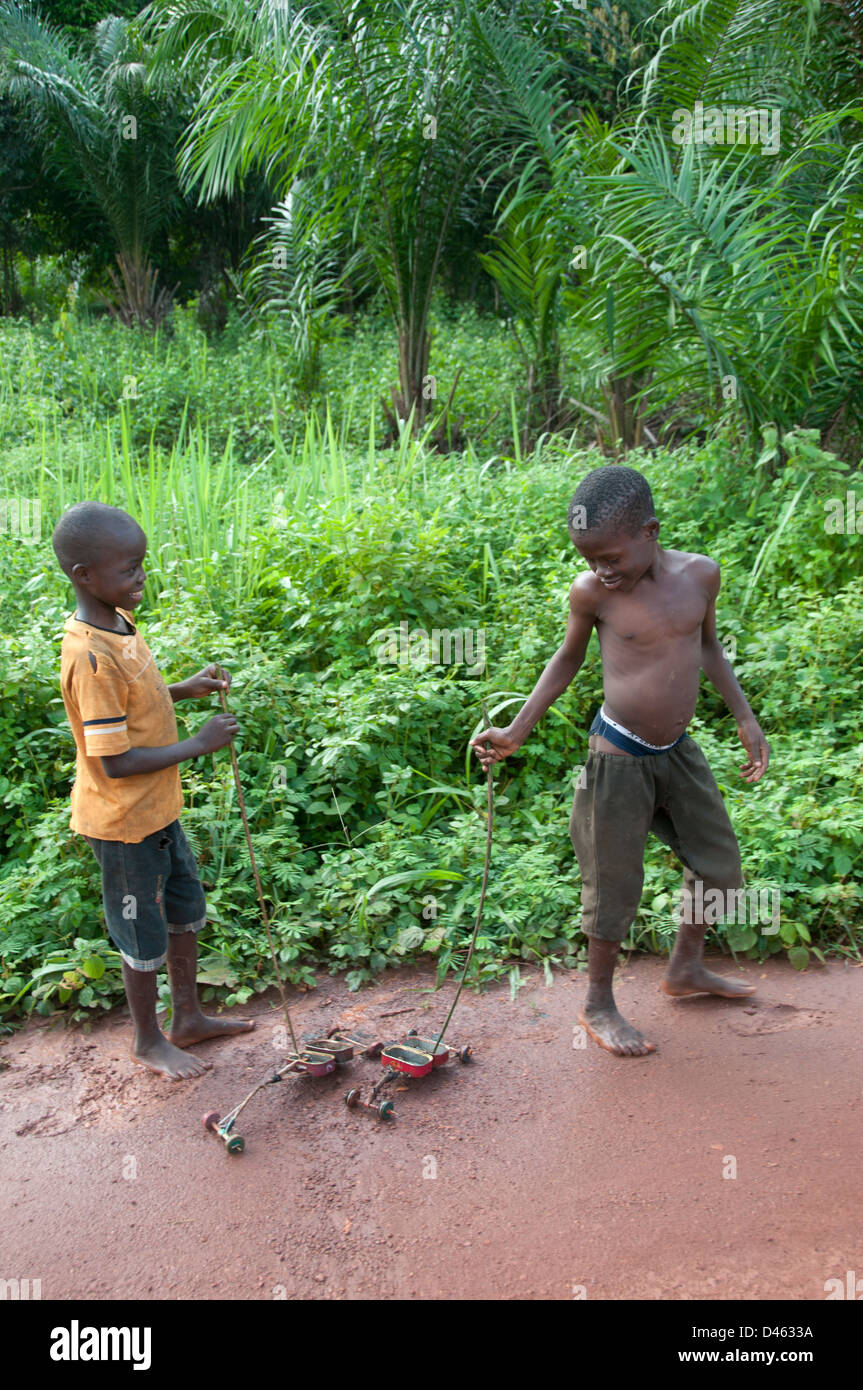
{"type": "Point", "coordinates": [216, 733]}
{"type": "Point", "coordinates": [201, 684]}
{"type": "Point", "coordinates": [717, 669]}
{"type": "Point", "coordinates": [562, 667]}
{"type": "Point", "coordinates": [557, 675]}
{"type": "Point", "coordinates": [99, 690]}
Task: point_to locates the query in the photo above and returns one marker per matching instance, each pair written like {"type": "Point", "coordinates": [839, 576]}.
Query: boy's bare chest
{"type": "Point", "coordinates": [651, 618]}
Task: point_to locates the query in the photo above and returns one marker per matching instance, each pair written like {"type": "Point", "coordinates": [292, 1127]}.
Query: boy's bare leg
{"type": "Point", "coordinates": [150, 1047]}
{"type": "Point", "coordinates": [599, 1014]}
{"type": "Point", "coordinates": [188, 1024]}
{"type": "Point", "coordinates": [687, 973]}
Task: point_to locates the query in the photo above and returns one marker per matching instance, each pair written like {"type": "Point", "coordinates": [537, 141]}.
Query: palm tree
{"type": "Point", "coordinates": [538, 70]}
{"type": "Point", "coordinates": [724, 280]}
{"type": "Point", "coordinates": [300, 272]}
{"type": "Point", "coordinates": [527, 259]}
{"type": "Point", "coordinates": [380, 113]}
{"type": "Point", "coordinates": [107, 131]}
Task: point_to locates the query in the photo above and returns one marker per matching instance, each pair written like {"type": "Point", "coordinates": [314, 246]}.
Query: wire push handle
{"type": "Point", "coordinates": [222, 675]}
{"type": "Point", "coordinates": [490, 819]}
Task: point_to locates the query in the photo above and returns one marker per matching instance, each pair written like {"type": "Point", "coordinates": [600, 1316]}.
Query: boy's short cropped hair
{"type": "Point", "coordinates": [86, 529]}
{"type": "Point", "coordinates": [611, 498]}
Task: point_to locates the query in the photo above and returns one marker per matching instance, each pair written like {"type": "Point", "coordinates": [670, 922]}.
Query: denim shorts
{"type": "Point", "coordinates": [148, 890]}
{"type": "Point", "coordinates": [618, 802]}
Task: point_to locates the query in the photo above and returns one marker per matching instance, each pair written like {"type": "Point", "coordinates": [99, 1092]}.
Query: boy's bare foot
{"type": "Point", "coordinates": [162, 1056]}
{"type": "Point", "coordinates": [188, 1031]}
{"type": "Point", "coordinates": [611, 1030]}
{"type": "Point", "coordinates": [697, 979]}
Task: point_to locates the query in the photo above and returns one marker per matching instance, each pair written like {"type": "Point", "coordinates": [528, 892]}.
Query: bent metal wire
{"type": "Point", "coordinates": [412, 1055]}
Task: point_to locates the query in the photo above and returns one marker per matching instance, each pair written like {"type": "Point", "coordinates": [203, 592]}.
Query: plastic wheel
{"type": "Point", "coordinates": [351, 1098]}
{"type": "Point", "coordinates": [235, 1144]}
{"type": "Point", "coordinates": [413, 1033]}
{"type": "Point", "coordinates": [210, 1120]}
{"type": "Point", "coordinates": [465, 1054]}
{"type": "Point", "coordinates": [385, 1109]}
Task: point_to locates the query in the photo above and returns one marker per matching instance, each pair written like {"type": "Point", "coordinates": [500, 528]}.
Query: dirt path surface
{"type": "Point", "coordinates": [558, 1168]}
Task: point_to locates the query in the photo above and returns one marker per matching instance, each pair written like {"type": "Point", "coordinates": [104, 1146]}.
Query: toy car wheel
{"type": "Point", "coordinates": [385, 1109]}
{"type": "Point", "coordinates": [351, 1098]}
{"type": "Point", "coordinates": [235, 1144]}
{"type": "Point", "coordinates": [210, 1120]}
{"type": "Point", "coordinates": [465, 1054]}
{"type": "Point", "coordinates": [413, 1033]}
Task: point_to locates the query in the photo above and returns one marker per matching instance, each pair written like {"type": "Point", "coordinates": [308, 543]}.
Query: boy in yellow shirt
{"type": "Point", "coordinates": [126, 797]}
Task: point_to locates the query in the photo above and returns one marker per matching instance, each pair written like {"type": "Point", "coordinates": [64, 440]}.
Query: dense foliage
{"type": "Point", "coordinates": [367, 814]}
{"type": "Point", "coordinates": [341, 299]}
{"type": "Point", "coordinates": [304, 159]}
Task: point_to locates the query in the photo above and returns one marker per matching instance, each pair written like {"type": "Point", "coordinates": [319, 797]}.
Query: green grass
{"type": "Point", "coordinates": [288, 560]}
{"type": "Point", "coordinates": [64, 377]}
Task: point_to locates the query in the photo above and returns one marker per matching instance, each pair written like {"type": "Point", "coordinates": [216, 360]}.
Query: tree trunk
{"type": "Point", "coordinates": [624, 414]}
{"type": "Point", "coordinates": [414, 385]}
{"type": "Point", "coordinates": [137, 299]}
{"type": "Point", "coordinates": [13, 302]}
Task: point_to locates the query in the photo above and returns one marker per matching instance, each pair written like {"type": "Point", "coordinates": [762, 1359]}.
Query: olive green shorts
{"type": "Point", "coordinates": [618, 802]}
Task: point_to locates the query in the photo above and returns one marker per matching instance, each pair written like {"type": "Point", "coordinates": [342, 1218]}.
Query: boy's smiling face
{"type": "Point", "coordinates": [617, 559]}
{"type": "Point", "coordinates": [117, 579]}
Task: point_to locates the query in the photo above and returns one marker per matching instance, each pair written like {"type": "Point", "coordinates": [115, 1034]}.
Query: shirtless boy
{"type": "Point", "coordinates": [655, 616]}
{"type": "Point", "coordinates": [126, 797]}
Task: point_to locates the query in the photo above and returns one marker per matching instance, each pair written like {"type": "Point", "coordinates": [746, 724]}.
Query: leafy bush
{"type": "Point", "coordinates": [367, 813]}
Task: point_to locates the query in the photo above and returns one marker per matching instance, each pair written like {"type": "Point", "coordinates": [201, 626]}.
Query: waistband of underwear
{"type": "Point", "coordinates": [623, 738]}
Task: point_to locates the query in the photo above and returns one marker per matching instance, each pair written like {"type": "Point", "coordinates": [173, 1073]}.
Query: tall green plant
{"type": "Point", "coordinates": [528, 267]}
{"type": "Point", "coordinates": [385, 112]}
{"type": "Point", "coordinates": [297, 273]}
{"type": "Point", "coordinates": [105, 130]}
{"type": "Point", "coordinates": [724, 278]}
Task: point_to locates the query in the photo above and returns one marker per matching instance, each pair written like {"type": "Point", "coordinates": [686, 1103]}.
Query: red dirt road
{"type": "Point", "coordinates": [560, 1171]}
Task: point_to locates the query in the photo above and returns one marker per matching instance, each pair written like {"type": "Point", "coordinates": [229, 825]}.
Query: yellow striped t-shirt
{"type": "Point", "coordinates": [116, 699]}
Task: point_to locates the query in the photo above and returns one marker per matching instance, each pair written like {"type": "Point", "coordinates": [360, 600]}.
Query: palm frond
{"type": "Point", "coordinates": [726, 51]}
{"type": "Point", "coordinates": [528, 267]}
{"type": "Point", "coordinates": [716, 277]}
{"type": "Point", "coordinates": [525, 90]}
{"type": "Point", "coordinates": [100, 127]}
